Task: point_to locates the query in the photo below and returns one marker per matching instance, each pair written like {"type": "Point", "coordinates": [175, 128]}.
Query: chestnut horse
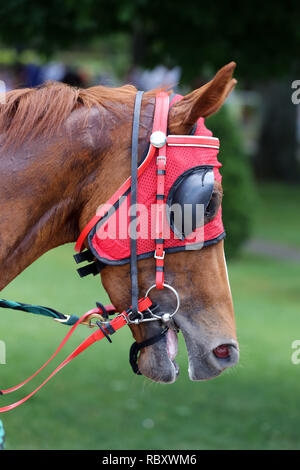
{"type": "Point", "coordinates": [64, 151]}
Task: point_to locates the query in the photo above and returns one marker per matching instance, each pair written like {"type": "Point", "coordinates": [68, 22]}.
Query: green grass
{"type": "Point", "coordinates": [97, 403]}
{"type": "Point", "coordinates": [277, 216]}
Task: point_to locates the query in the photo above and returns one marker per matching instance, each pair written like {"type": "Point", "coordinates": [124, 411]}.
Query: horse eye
{"type": "Point", "coordinates": [213, 206]}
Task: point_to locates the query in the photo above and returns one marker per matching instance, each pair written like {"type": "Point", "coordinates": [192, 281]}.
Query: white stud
{"type": "Point", "coordinates": [166, 317]}
{"type": "Point", "coordinates": [158, 139]}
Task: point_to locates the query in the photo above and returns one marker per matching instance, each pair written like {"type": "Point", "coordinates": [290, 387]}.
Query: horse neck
{"type": "Point", "coordinates": [43, 189]}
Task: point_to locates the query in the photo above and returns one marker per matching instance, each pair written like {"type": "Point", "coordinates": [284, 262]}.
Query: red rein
{"type": "Point", "coordinates": [118, 322]}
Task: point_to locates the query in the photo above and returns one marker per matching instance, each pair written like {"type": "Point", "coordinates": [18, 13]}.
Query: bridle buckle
{"type": "Point", "coordinates": [156, 256]}
{"type": "Point", "coordinates": [161, 157]}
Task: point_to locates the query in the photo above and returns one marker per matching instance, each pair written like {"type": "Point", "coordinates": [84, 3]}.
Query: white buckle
{"type": "Point", "coordinates": [161, 157]}
{"type": "Point", "coordinates": [159, 257]}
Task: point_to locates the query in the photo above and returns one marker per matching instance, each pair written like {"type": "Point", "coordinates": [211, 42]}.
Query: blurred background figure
{"type": "Point", "coordinates": [52, 71]}
{"type": "Point", "coordinates": [160, 76]}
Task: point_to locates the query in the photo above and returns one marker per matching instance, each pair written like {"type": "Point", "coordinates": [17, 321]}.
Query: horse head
{"type": "Point", "coordinates": [72, 152]}
{"type": "Point", "coordinates": [205, 316]}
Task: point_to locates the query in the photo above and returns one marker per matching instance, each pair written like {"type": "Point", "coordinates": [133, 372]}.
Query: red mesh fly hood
{"type": "Point", "coordinates": [109, 239]}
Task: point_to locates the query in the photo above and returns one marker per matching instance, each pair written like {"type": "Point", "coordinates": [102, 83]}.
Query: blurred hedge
{"type": "Point", "coordinates": [238, 183]}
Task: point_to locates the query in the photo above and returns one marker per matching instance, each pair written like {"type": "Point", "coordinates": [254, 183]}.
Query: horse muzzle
{"type": "Point", "coordinates": [208, 356]}
{"type": "Point", "coordinates": [157, 362]}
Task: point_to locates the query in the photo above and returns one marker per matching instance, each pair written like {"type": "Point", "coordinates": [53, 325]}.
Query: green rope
{"type": "Point", "coordinates": [2, 436]}
{"type": "Point", "coordinates": [39, 310]}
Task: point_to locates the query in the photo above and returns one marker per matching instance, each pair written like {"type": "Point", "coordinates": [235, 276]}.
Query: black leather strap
{"type": "Point", "coordinates": [133, 203]}
{"type": "Point", "coordinates": [136, 347]}
{"type": "Point", "coordinates": [103, 331]}
{"type": "Point", "coordinates": [85, 255]}
{"type": "Point", "coordinates": [93, 268]}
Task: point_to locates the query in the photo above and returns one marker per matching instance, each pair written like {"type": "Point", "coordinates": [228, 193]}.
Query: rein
{"type": "Point", "coordinates": [106, 328]}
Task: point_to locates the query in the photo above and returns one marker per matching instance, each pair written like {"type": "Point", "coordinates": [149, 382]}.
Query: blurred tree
{"type": "Point", "coordinates": [196, 35]}
{"type": "Point", "coordinates": [262, 39]}
{"type": "Point", "coordinates": [52, 25]}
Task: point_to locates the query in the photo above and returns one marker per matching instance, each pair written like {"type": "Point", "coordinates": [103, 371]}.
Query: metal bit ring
{"type": "Point", "coordinates": [170, 315]}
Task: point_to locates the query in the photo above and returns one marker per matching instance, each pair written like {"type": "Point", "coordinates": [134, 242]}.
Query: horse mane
{"type": "Point", "coordinates": [30, 112]}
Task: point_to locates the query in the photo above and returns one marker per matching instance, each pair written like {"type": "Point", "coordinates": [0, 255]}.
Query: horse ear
{"type": "Point", "coordinates": [202, 102]}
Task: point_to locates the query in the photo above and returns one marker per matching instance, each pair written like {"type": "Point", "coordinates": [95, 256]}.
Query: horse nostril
{"type": "Point", "coordinates": [225, 355]}
{"type": "Point", "coordinates": [222, 351]}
